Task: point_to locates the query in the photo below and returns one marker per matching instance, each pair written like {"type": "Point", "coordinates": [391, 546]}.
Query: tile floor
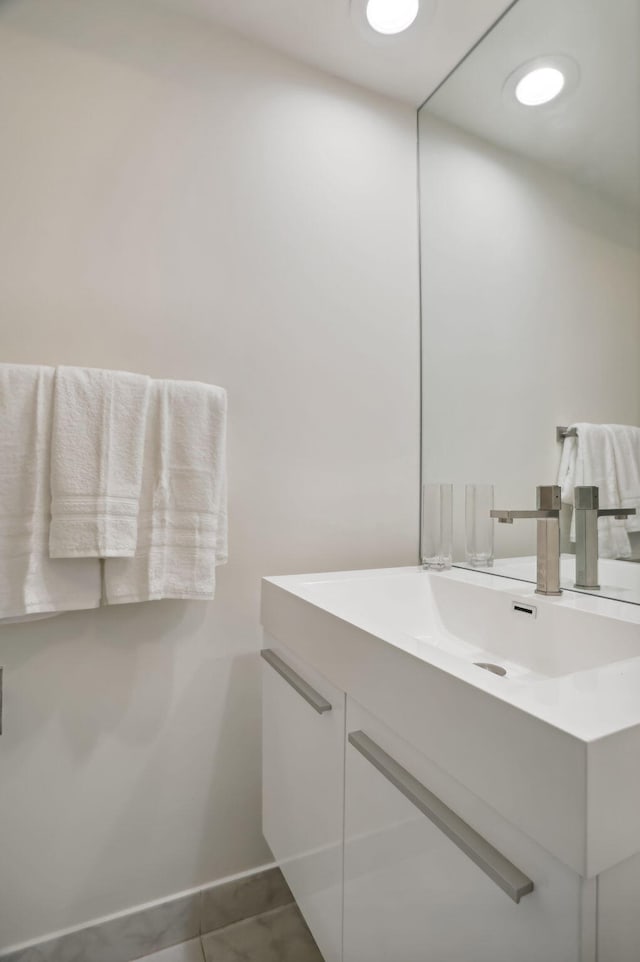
{"type": "Point", "coordinates": [280, 935]}
{"type": "Point", "coordinates": [186, 952]}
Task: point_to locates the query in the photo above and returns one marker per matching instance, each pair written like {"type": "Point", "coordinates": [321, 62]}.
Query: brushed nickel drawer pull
{"type": "Point", "coordinates": [510, 879]}
{"type": "Point", "coordinates": [310, 695]}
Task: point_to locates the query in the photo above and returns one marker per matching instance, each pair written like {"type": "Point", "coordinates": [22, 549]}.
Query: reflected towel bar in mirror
{"type": "Point", "coordinates": [564, 432]}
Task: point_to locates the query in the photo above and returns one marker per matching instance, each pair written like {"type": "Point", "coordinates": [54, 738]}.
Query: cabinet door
{"type": "Point", "coordinates": [423, 890]}
{"type": "Point", "coordinates": [303, 788]}
{"type": "Point", "coordinates": [618, 915]}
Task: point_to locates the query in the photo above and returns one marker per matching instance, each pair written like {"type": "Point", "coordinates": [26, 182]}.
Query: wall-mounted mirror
{"type": "Point", "coordinates": [530, 231]}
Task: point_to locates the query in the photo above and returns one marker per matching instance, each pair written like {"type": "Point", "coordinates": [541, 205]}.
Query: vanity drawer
{"type": "Point", "coordinates": [435, 886]}
{"type": "Point", "coordinates": [303, 788]}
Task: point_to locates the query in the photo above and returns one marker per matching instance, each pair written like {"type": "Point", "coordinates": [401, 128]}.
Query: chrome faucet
{"type": "Point", "coordinates": [547, 514]}
{"type": "Point", "coordinates": [587, 501]}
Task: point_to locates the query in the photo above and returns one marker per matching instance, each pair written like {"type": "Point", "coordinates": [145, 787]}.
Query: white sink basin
{"type": "Point", "coordinates": [532, 638]}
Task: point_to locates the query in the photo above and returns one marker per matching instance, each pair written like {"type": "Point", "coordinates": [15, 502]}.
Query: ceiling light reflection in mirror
{"type": "Point", "coordinates": [540, 86]}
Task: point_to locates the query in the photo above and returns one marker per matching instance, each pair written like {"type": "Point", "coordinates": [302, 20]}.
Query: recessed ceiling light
{"type": "Point", "coordinates": [549, 79]}
{"type": "Point", "coordinates": [540, 86]}
{"type": "Point", "coordinates": [391, 16]}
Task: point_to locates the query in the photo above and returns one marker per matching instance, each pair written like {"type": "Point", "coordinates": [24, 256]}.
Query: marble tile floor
{"type": "Point", "coordinates": [280, 935]}
{"type": "Point", "coordinates": [277, 936]}
{"type": "Point", "coordinates": [166, 931]}
{"type": "Point", "coordinates": [190, 951]}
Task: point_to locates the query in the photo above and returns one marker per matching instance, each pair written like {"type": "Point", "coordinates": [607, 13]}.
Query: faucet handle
{"type": "Point", "coordinates": [549, 497]}
{"type": "Point", "coordinates": [587, 497]}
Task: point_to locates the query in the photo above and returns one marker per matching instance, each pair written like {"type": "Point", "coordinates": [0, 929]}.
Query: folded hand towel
{"type": "Point", "coordinates": [182, 525]}
{"type": "Point", "coordinates": [30, 582]}
{"type": "Point", "coordinates": [96, 462]}
{"type": "Point", "coordinates": [590, 458]}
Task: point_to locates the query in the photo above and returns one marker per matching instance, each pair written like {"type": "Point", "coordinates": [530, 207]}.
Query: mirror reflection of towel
{"type": "Point", "coordinates": [626, 452]}
{"type": "Point", "coordinates": [606, 455]}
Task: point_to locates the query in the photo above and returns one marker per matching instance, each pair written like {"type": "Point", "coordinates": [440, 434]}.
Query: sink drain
{"type": "Point", "coordinates": [495, 669]}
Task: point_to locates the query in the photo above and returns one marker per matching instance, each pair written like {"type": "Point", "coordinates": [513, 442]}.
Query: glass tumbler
{"type": "Point", "coordinates": [478, 502]}
{"type": "Point", "coordinates": [437, 525]}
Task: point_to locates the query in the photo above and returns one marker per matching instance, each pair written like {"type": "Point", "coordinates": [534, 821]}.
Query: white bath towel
{"type": "Point", "coordinates": [96, 462]}
{"type": "Point", "coordinates": [590, 459]}
{"type": "Point", "coordinates": [182, 525]}
{"type": "Point", "coordinates": [30, 581]}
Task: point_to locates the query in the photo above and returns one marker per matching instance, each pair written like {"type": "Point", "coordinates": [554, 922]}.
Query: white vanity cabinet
{"type": "Point", "coordinates": [483, 819]}
{"type": "Point", "coordinates": [405, 890]}
{"type": "Point", "coordinates": [392, 860]}
{"type": "Point", "coordinates": [303, 788]}
{"type": "Point", "coordinates": [414, 889]}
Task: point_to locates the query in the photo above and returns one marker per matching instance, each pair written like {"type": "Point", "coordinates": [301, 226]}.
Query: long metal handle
{"type": "Point", "coordinates": [510, 879]}
{"type": "Point", "coordinates": [310, 695]}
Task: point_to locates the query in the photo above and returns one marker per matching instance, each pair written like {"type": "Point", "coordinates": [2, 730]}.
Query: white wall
{"type": "Point", "coordinates": [531, 311]}
{"type": "Point", "coordinates": [178, 202]}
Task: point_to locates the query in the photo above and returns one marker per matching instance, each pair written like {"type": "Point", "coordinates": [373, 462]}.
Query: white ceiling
{"type": "Point", "coordinates": [329, 35]}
